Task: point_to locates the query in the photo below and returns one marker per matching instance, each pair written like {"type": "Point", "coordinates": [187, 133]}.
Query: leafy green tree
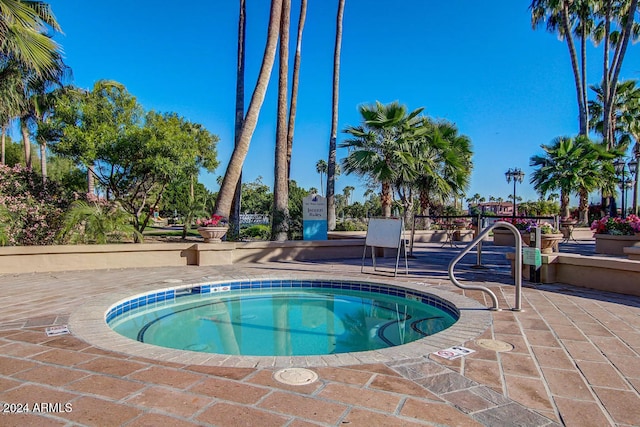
{"type": "Point", "coordinates": [135, 158]}
{"type": "Point", "coordinates": [257, 197]}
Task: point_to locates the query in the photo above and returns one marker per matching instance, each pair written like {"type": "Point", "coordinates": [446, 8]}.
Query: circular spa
{"type": "Point", "coordinates": [282, 317]}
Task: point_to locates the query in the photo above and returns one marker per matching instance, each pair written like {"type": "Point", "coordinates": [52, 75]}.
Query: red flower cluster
{"type": "Point", "coordinates": [214, 221]}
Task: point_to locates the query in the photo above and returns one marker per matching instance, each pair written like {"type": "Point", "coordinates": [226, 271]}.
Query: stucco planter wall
{"type": "Point", "coordinates": [503, 237]}
{"type": "Point", "coordinates": [614, 245]}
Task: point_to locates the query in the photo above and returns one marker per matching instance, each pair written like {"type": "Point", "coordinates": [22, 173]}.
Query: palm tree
{"type": "Point", "coordinates": [444, 164]}
{"type": "Point", "coordinates": [321, 168]}
{"type": "Point", "coordinates": [569, 18]}
{"type": "Point", "coordinates": [380, 147]}
{"type": "Point", "coordinates": [11, 98]}
{"type": "Point", "coordinates": [347, 191]}
{"type": "Point", "coordinates": [234, 217]}
{"type": "Point", "coordinates": [294, 84]}
{"type": "Point", "coordinates": [234, 168]}
{"type": "Point", "coordinates": [626, 111]}
{"type": "Point", "coordinates": [280, 214]}
{"type": "Point", "coordinates": [331, 167]}
{"type": "Point", "coordinates": [622, 15]}
{"type": "Point", "coordinates": [23, 34]}
{"type": "Point", "coordinates": [571, 165]}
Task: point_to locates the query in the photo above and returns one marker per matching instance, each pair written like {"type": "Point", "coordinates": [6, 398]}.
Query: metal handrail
{"type": "Point", "coordinates": [517, 266]}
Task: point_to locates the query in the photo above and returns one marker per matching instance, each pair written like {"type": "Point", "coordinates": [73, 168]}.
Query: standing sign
{"type": "Point", "coordinates": [314, 217]}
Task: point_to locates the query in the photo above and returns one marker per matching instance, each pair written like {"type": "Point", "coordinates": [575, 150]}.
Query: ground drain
{"type": "Point", "coordinates": [295, 376]}
{"type": "Point", "coordinates": [494, 345]}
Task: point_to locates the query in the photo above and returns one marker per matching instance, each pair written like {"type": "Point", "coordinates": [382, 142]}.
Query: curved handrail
{"type": "Point", "coordinates": [517, 265]}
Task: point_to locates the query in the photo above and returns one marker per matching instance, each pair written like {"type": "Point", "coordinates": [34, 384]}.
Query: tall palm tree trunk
{"type": "Point", "coordinates": [43, 160]}
{"type": "Point", "coordinates": [280, 217]}
{"type": "Point", "coordinates": [331, 173]}
{"type": "Point", "coordinates": [27, 143]}
{"type": "Point", "coordinates": [4, 138]}
{"type": "Point", "coordinates": [91, 181]}
{"type": "Point", "coordinates": [234, 168]}
{"type": "Point", "coordinates": [386, 199]}
{"type": "Point", "coordinates": [580, 84]}
{"type": "Point", "coordinates": [294, 85]}
{"type": "Point", "coordinates": [236, 208]}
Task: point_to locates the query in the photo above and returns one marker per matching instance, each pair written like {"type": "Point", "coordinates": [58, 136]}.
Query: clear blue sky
{"type": "Point", "coordinates": [477, 64]}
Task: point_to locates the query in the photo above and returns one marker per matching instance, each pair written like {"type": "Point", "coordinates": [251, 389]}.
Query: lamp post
{"type": "Point", "coordinates": [515, 175]}
{"type": "Point", "coordinates": [625, 182]}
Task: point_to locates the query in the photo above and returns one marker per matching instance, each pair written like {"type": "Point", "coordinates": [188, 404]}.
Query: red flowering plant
{"type": "Point", "coordinates": [617, 226]}
{"type": "Point", "coordinates": [214, 221]}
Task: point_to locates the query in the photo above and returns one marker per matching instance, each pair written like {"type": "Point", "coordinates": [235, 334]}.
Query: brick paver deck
{"type": "Point", "coordinates": [574, 360]}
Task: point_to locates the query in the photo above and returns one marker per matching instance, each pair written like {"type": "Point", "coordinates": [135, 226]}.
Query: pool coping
{"type": "Point", "coordinates": [88, 323]}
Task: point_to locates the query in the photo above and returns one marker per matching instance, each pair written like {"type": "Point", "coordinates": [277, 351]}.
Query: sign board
{"type": "Point", "coordinates": [314, 217]}
{"type": "Point", "coordinates": [453, 352]}
{"type": "Point", "coordinates": [54, 331]}
{"type": "Point", "coordinates": [384, 232]}
{"type": "Point", "coordinates": [531, 256]}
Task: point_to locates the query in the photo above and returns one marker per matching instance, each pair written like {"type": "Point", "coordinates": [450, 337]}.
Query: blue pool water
{"type": "Point", "coordinates": [283, 318]}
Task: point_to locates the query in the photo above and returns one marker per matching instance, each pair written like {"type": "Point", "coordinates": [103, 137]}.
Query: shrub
{"type": "Point", "coordinates": [32, 212]}
{"type": "Point", "coordinates": [350, 225]}
{"type": "Point", "coordinates": [98, 221]}
{"type": "Point", "coordinates": [257, 231]}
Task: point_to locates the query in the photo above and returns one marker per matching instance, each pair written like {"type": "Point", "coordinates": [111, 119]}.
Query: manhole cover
{"type": "Point", "coordinates": [295, 376]}
{"type": "Point", "coordinates": [495, 345]}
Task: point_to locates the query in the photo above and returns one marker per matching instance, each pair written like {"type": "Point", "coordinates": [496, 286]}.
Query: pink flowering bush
{"type": "Point", "coordinates": [31, 213]}
{"type": "Point", "coordinates": [214, 221]}
{"type": "Point", "coordinates": [617, 226]}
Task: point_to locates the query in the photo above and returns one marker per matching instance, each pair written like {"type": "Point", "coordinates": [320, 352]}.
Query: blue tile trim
{"type": "Point", "coordinates": [279, 284]}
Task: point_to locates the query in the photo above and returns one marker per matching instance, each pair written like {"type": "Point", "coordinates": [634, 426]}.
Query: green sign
{"type": "Point", "coordinates": [531, 256]}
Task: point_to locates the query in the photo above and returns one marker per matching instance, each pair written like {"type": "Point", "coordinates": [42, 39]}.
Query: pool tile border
{"type": "Point", "coordinates": [89, 324]}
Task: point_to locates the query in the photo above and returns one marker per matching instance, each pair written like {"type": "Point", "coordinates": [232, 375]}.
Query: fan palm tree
{"type": "Point", "coordinates": [321, 168]}
{"type": "Point", "coordinates": [444, 165]}
{"type": "Point", "coordinates": [23, 35]}
{"type": "Point", "coordinates": [381, 147]}
{"type": "Point", "coordinates": [347, 191]}
{"type": "Point", "coordinates": [234, 168]}
{"type": "Point", "coordinates": [571, 165]}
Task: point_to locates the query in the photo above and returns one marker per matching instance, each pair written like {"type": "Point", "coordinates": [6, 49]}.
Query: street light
{"type": "Point", "coordinates": [516, 175]}
{"type": "Point", "coordinates": [625, 182]}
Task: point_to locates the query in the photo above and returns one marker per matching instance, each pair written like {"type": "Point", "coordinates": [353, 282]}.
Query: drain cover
{"type": "Point", "coordinates": [495, 345]}
{"type": "Point", "coordinates": [172, 281]}
{"type": "Point", "coordinates": [295, 376]}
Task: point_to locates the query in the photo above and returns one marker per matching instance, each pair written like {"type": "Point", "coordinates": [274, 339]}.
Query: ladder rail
{"type": "Point", "coordinates": [517, 266]}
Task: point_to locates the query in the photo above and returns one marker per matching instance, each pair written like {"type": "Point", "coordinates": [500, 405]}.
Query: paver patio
{"type": "Point", "coordinates": [575, 360]}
